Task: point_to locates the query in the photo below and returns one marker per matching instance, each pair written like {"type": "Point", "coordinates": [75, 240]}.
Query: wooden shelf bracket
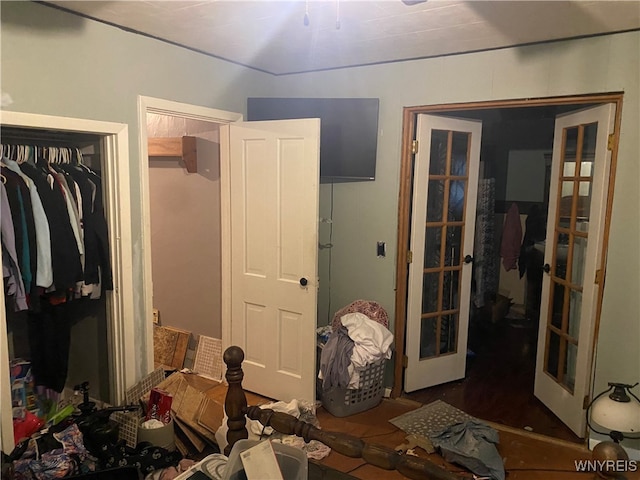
{"type": "Point", "coordinates": [182, 147]}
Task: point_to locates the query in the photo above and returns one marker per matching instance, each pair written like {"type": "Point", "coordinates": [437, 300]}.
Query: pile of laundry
{"type": "Point", "coordinates": [356, 343]}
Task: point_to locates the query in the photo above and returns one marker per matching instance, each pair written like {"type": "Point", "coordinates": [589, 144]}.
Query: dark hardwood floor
{"type": "Point", "coordinates": [498, 386]}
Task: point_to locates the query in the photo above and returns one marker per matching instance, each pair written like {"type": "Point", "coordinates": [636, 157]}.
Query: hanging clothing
{"type": "Point", "coordinates": [24, 228]}
{"type": "Point", "coordinates": [65, 257]}
{"type": "Point", "coordinates": [535, 231]}
{"type": "Point", "coordinates": [55, 252]}
{"type": "Point", "coordinates": [49, 343]}
{"type": "Point", "coordinates": [44, 272]}
{"type": "Point", "coordinates": [97, 262]}
{"type": "Point", "coordinates": [511, 239]}
{"type": "Point", "coordinates": [13, 283]}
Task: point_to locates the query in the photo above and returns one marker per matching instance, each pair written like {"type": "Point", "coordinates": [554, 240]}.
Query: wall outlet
{"type": "Point", "coordinates": [156, 316]}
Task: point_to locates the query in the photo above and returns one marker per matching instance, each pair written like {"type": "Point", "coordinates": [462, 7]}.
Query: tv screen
{"type": "Point", "coordinates": [348, 131]}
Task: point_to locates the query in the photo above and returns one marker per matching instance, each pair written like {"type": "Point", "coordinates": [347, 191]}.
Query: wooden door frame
{"type": "Point", "coordinates": [409, 121]}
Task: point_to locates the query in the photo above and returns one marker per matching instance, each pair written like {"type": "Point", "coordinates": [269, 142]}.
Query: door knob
{"type": "Point", "coordinates": [303, 282]}
{"type": "Point", "coordinates": [546, 268]}
{"type": "Point", "coordinates": [468, 259]}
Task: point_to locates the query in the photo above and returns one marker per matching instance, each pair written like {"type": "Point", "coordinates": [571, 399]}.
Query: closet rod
{"type": "Point", "coordinates": [45, 138]}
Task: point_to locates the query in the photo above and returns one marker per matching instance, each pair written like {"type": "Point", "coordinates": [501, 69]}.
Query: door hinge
{"type": "Point", "coordinates": [405, 361]}
{"type": "Point", "coordinates": [414, 147]}
{"type": "Point", "coordinates": [610, 141]}
{"type": "Point", "coordinates": [585, 402]}
{"type": "Point", "coordinates": [409, 256]}
{"type": "Point", "coordinates": [598, 279]}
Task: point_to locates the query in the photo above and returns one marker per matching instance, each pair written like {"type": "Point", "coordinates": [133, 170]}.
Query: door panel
{"type": "Point", "coordinates": [442, 230]}
{"type": "Point", "coordinates": [274, 176]}
{"type": "Point", "coordinates": [575, 229]}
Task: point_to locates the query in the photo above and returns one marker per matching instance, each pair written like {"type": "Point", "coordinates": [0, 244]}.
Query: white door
{"type": "Point", "coordinates": [445, 184]}
{"type": "Point", "coordinates": [274, 174]}
{"type": "Point", "coordinates": [573, 253]}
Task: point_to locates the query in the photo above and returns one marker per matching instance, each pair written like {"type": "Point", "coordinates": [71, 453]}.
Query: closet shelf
{"type": "Point", "coordinates": [182, 147]}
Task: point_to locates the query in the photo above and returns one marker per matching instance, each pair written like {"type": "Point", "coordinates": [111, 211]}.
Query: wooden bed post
{"type": "Point", "coordinates": [235, 403]}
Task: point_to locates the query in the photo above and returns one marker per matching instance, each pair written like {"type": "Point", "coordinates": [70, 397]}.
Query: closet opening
{"type": "Point", "coordinates": [184, 264]}
{"type": "Point", "coordinates": [515, 174]}
{"type": "Point", "coordinates": [69, 326]}
{"type": "Point", "coordinates": [64, 337]}
{"type": "Point", "coordinates": [184, 196]}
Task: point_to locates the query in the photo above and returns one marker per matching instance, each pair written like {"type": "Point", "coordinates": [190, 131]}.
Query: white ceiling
{"type": "Point", "coordinates": [271, 35]}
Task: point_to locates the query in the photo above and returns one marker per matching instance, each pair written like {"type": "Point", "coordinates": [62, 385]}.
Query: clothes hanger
{"type": "Point", "coordinates": [4, 155]}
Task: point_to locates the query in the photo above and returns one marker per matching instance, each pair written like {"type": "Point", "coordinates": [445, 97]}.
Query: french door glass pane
{"type": "Point", "coordinates": [571, 144]}
{"type": "Point", "coordinates": [453, 247]}
{"type": "Point", "coordinates": [575, 310]}
{"type": "Point", "coordinates": [558, 305]}
{"type": "Point", "coordinates": [450, 289]}
{"type": "Point", "coordinates": [589, 138]}
{"type": "Point", "coordinates": [562, 255]}
{"type": "Point", "coordinates": [433, 244]}
{"type": "Point", "coordinates": [435, 200]}
{"type": "Point", "coordinates": [584, 200]}
{"type": "Point", "coordinates": [438, 158]}
{"type": "Point", "coordinates": [456, 200]}
{"type": "Point", "coordinates": [569, 377]}
{"type": "Point", "coordinates": [432, 342]}
{"type": "Point", "coordinates": [460, 149]}
{"type": "Point", "coordinates": [586, 169]}
{"type": "Point", "coordinates": [428, 327]}
{"type": "Point", "coordinates": [430, 292]}
{"type": "Point", "coordinates": [553, 354]}
{"type": "Point", "coordinates": [448, 333]}
{"type": "Point", "coordinates": [579, 258]}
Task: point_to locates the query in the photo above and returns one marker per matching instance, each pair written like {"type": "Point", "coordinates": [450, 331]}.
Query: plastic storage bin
{"type": "Point", "coordinates": [342, 402]}
{"type": "Point", "coordinates": [293, 462]}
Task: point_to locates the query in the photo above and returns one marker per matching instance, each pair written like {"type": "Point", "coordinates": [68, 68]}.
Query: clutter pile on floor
{"type": "Point", "coordinates": [112, 442]}
{"type": "Point", "coordinates": [458, 437]}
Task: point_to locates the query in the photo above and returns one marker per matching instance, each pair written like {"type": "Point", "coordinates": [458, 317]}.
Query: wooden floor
{"type": "Point", "coordinates": [527, 456]}
{"type": "Point", "coordinates": [499, 382]}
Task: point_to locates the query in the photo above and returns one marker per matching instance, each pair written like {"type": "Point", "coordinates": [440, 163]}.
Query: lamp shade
{"type": "Point", "coordinates": [615, 415]}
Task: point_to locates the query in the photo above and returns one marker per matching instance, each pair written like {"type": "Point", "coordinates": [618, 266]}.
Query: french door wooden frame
{"type": "Point", "coordinates": [409, 121]}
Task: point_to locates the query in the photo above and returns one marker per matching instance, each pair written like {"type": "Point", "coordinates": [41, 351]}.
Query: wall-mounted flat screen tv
{"type": "Point", "coordinates": [348, 131]}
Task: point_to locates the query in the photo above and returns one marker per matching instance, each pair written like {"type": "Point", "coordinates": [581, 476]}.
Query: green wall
{"type": "Point", "coordinates": [59, 64]}
{"type": "Point", "coordinates": [54, 63]}
{"type": "Point", "coordinates": [367, 212]}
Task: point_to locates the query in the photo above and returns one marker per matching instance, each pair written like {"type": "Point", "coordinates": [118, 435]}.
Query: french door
{"type": "Point", "coordinates": [442, 225]}
{"type": "Point", "coordinates": [573, 255]}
